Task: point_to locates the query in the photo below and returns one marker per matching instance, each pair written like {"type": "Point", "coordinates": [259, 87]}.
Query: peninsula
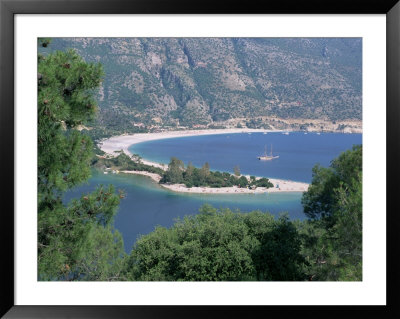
{"type": "Point", "coordinates": [114, 145]}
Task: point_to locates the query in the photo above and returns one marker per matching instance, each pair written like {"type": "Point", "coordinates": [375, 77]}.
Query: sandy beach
{"type": "Point", "coordinates": [122, 142]}
{"type": "Point", "coordinates": [284, 186]}
{"type": "Point", "coordinates": [155, 177]}
{"type": "Point", "coordinates": [279, 186]}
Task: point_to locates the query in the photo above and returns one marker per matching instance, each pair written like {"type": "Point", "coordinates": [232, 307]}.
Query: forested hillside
{"type": "Point", "coordinates": [77, 240]}
{"type": "Point", "coordinates": [192, 82]}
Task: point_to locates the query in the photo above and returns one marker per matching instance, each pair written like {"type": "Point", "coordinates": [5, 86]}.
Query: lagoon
{"type": "Point", "coordinates": [147, 205]}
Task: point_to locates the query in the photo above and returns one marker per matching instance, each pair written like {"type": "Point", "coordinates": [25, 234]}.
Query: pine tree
{"type": "Point", "coordinates": [334, 204]}
{"type": "Point", "coordinates": [174, 173]}
{"type": "Point", "coordinates": [75, 241]}
{"type": "Point", "coordinates": [236, 170]}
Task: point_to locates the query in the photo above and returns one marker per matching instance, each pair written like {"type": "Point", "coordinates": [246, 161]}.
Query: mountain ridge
{"type": "Point", "coordinates": [202, 82]}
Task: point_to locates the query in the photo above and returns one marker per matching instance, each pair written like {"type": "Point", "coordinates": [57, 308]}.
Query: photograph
{"type": "Point", "coordinates": [200, 159]}
{"type": "Point", "coordinates": [171, 159]}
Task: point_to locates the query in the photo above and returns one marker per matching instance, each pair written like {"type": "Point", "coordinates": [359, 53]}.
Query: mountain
{"type": "Point", "coordinates": [191, 82]}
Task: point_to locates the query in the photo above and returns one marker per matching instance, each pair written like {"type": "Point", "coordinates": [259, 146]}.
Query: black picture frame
{"type": "Point", "coordinates": [8, 8]}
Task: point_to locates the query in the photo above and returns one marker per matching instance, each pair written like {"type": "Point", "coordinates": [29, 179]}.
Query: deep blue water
{"type": "Point", "coordinates": [148, 205]}
{"type": "Point", "coordinates": [298, 152]}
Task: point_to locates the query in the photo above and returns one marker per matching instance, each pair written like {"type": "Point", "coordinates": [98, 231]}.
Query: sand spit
{"type": "Point", "coordinates": [279, 186]}
{"type": "Point", "coordinates": [122, 142]}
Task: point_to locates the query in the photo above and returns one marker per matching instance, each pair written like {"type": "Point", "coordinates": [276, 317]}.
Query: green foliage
{"type": "Point", "coordinates": [65, 83]}
{"type": "Point", "coordinates": [278, 257]}
{"type": "Point", "coordinates": [174, 174]}
{"type": "Point", "coordinates": [204, 172]}
{"type": "Point", "coordinates": [75, 241]}
{"type": "Point", "coordinates": [321, 198]}
{"type": "Point", "coordinates": [125, 162]}
{"type": "Point", "coordinates": [333, 238]}
{"type": "Point", "coordinates": [44, 42]}
{"type": "Point", "coordinates": [261, 182]}
{"type": "Point", "coordinates": [219, 245]}
{"type": "Point", "coordinates": [193, 176]}
{"type": "Point", "coordinates": [243, 182]}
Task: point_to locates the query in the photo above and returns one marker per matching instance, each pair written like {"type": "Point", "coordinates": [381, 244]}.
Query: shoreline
{"type": "Point", "coordinates": [284, 186]}
{"type": "Point", "coordinates": [122, 142]}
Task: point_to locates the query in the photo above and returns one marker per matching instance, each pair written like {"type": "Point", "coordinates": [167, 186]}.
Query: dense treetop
{"type": "Point", "coordinates": [219, 245]}
{"type": "Point", "coordinates": [192, 176]}
{"type": "Point", "coordinates": [334, 203]}
{"type": "Point", "coordinates": [75, 241]}
{"type": "Point", "coordinates": [65, 88]}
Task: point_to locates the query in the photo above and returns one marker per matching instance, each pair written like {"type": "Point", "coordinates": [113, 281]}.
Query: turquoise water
{"type": "Point", "coordinates": [147, 205]}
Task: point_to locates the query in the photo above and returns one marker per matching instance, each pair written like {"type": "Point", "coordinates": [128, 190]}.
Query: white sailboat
{"type": "Point", "coordinates": [267, 157]}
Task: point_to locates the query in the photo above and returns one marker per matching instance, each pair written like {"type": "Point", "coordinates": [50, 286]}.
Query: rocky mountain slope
{"type": "Point", "coordinates": [201, 81]}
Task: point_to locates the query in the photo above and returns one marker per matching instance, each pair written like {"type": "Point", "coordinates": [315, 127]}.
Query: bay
{"type": "Point", "coordinates": [148, 205]}
{"type": "Point", "coordinates": [298, 152]}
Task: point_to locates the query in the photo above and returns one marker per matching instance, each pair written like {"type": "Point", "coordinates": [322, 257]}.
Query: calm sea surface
{"type": "Point", "coordinates": [298, 152]}
{"type": "Point", "coordinates": [148, 205]}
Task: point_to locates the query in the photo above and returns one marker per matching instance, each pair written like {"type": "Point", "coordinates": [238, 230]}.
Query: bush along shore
{"type": "Point", "coordinates": [192, 176]}
{"type": "Point", "coordinates": [176, 177]}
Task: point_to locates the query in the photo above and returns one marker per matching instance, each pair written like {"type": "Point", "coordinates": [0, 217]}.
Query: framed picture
{"type": "Point", "coordinates": [373, 24]}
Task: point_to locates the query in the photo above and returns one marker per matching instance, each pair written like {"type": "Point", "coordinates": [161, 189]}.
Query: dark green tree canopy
{"type": "Point", "coordinates": [192, 176]}
{"type": "Point", "coordinates": [333, 237]}
{"type": "Point", "coordinates": [65, 100]}
{"type": "Point", "coordinates": [174, 173]}
{"type": "Point", "coordinates": [75, 241]}
{"type": "Point", "coordinates": [320, 200]}
{"type": "Point", "coordinates": [219, 245]}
